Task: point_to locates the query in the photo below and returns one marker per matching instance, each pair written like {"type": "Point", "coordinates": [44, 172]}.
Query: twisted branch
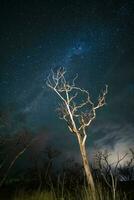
{"type": "Point", "coordinates": [75, 101]}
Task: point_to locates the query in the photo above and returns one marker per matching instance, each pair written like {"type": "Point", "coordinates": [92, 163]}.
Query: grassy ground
{"type": "Point", "coordinates": [79, 194]}
{"type": "Point", "coordinates": [61, 192]}
{"type": "Point", "coordinates": [51, 196]}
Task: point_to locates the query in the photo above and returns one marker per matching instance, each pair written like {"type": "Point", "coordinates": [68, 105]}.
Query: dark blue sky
{"type": "Point", "coordinates": [92, 38]}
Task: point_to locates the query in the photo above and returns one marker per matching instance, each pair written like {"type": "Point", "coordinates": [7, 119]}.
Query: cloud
{"type": "Point", "coordinates": [117, 139]}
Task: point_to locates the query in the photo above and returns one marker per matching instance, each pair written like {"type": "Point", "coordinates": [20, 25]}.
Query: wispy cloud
{"type": "Point", "coordinates": [117, 139]}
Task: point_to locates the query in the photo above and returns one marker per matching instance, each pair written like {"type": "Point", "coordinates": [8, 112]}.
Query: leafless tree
{"type": "Point", "coordinates": [78, 110]}
{"type": "Point", "coordinates": [126, 171]}
{"type": "Point", "coordinates": [18, 145]}
{"type": "Point", "coordinates": [109, 171]}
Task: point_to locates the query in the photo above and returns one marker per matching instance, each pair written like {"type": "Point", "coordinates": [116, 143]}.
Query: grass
{"type": "Point", "coordinates": [79, 194]}
{"type": "Point", "coordinates": [34, 196]}
{"type": "Point", "coordinates": [62, 190]}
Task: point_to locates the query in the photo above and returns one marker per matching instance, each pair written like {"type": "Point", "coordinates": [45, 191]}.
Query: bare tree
{"type": "Point", "coordinates": [17, 146]}
{"type": "Point", "coordinates": [126, 171]}
{"type": "Point", "coordinates": [78, 110]}
{"type": "Point", "coordinates": [109, 171]}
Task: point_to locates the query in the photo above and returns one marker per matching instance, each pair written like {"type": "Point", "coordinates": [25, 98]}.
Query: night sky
{"type": "Point", "coordinates": [92, 38]}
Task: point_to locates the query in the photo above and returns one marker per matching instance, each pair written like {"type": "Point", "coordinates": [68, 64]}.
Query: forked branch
{"type": "Point", "coordinates": [77, 108]}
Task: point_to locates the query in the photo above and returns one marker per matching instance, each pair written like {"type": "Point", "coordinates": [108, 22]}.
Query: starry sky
{"type": "Point", "coordinates": [92, 38]}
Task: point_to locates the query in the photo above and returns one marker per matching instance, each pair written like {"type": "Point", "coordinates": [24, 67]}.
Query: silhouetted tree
{"type": "Point", "coordinates": [109, 170]}
{"type": "Point", "coordinates": [126, 171]}
{"type": "Point", "coordinates": [14, 147]}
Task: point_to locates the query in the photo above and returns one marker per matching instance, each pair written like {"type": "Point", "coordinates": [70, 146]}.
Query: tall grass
{"type": "Point", "coordinates": [80, 193]}
{"type": "Point", "coordinates": [34, 196]}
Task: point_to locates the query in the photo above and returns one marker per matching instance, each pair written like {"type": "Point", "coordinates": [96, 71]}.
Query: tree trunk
{"type": "Point", "coordinates": [87, 168]}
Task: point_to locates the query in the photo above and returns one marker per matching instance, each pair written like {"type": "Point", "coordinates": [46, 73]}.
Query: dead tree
{"type": "Point", "coordinates": [109, 171]}
{"type": "Point", "coordinates": [78, 110]}
{"type": "Point", "coordinates": [126, 170]}
{"type": "Point", "coordinates": [18, 145]}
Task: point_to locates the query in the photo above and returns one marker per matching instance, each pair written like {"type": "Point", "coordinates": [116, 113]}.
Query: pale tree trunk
{"type": "Point", "coordinates": [72, 109]}
{"type": "Point", "coordinates": [87, 168]}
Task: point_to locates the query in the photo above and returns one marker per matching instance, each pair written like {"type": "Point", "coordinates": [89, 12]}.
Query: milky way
{"type": "Point", "coordinates": [94, 39]}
